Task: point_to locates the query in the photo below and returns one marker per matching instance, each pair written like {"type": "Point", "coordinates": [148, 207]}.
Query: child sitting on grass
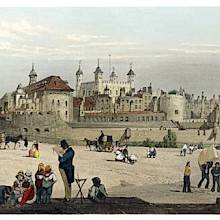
{"type": "Point", "coordinates": [97, 191]}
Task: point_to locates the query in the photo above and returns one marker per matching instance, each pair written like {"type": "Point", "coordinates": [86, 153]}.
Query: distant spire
{"type": "Point", "coordinates": [79, 71]}
{"type": "Point", "coordinates": [98, 62]}
{"type": "Point", "coordinates": [110, 63]}
{"type": "Point", "coordinates": [131, 65]}
{"type": "Point", "coordinates": [32, 66]}
{"type": "Point", "coordinates": [98, 69]}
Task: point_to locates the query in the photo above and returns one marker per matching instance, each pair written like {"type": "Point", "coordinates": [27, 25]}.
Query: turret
{"type": "Point", "coordinates": [131, 78]}
{"type": "Point", "coordinates": [98, 78]}
{"type": "Point", "coordinates": [113, 75]}
{"type": "Point", "coordinates": [79, 80]}
{"type": "Point", "coordinates": [32, 75]}
{"type": "Point", "coordinates": [98, 73]}
{"type": "Point", "coordinates": [149, 89]}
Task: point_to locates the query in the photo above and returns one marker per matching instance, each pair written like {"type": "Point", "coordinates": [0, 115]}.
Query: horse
{"type": "Point", "coordinates": [90, 143]}
{"type": "Point", "coordinates": [13, 139]}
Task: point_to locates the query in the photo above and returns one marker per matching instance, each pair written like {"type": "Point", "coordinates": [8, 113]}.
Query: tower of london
{"type": "Point", "coordinates": [100, 85]}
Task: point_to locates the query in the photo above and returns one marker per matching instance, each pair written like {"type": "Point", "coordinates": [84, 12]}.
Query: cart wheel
{"type": "Point", "coordinates": [99, 149]}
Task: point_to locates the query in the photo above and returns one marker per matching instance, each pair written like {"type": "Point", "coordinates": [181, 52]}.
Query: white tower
{"type": "Point", "coordinates": [32, 75]}
{"type": "Point", "coordinates": [98, 78]}
{"type": "Point", "coordinates": [131, 78]}
{"type": "Point", "coordinates": [79, 79]}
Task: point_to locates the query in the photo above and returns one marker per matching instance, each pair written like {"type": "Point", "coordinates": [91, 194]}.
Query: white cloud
{"type": "Point", "coordinates": [82, 38]}
{"type": "Point", "coordinates": [200, 45]}
{"type": "Point", "coordinates": [194, 51]}
{"type": "Point", "coordinates": [112, 44]}
{"type": "Point", "coordinates": [21, 28]}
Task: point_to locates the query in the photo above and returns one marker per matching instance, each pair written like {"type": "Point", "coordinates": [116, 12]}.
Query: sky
{"type": "Point", "coordinates": [170, 47]}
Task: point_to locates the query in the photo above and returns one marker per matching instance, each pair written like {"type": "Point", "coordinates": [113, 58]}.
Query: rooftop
{"type": "Point", "coordinates": [51, 83]}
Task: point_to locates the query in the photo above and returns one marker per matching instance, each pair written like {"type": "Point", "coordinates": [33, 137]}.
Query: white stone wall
{"type": "Point", "coordinates": [90, 88]}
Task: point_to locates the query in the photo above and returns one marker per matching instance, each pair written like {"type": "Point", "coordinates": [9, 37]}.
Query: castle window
{"type": "Point", "coordinates": [58, 102]}
{"type": "Point", "coordinates": [176, 112]}
{"type": "Point", "coordinates": [53, 102]}
{"type": "Point", "coordinates": [116, 92]}
{"type": "Point", "coordinates": [66, 113]}
{"type": "Point", "coordinates": [46, 130]}
{"type": "Point", "coordinates": [156, 118]}
{"type": "Point", "coordinates": [143, 118]}
{"type": "Point", "coordinates": [152, 118]}
{"type": "Point", "coordinates": [136, 106]}
{"type": "Point", "coordinates": [66, 103]}
{"type": "Point", "coordinates": [126, 119]}
{"type": "Point", "coordinates": [37, 130]}
{"type": "Point", "coordinates": [25, 130]}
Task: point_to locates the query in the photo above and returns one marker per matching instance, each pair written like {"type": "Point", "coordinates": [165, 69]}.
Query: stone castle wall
{"type": "Point", "coordinates": [48, 128]}
{"type": "Point", "coordinates": [42, 127]}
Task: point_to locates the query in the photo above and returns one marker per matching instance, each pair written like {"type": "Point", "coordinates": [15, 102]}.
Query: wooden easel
{"type": "Point", "coordinates": [80, 183]}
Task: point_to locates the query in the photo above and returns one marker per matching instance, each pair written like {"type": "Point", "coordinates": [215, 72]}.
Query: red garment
{"type": "Point", "coordinates": [27, 195]}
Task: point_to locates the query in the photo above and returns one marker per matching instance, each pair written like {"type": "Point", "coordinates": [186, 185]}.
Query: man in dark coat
{"type": "Point", "coordinates": [205, 174]}
{"type": "Point", "coordinates": [101, 137]}
{"type": "Point", "coordinates": [66, 168]}
{"type": "Point", "coordinates": [215, 174]}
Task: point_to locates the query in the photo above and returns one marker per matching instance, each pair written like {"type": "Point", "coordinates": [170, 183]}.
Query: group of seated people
{"type": "Point", "coordinates": [191, 148]}
{"type": "Point", "coordinates": [121, 154]}
{"type": "Point", "coordinates": [25, 191]}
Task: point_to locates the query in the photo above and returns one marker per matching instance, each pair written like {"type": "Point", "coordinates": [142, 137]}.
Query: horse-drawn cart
{"type": "Point", "coordinates": [106, 145]}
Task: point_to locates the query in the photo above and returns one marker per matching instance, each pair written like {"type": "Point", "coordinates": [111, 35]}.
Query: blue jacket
{"type": "Point", "coordinates": [66, 163]}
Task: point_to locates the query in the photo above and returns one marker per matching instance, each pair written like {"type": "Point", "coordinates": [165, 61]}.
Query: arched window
{"type": "Point", "coordinates": [25, 130]}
